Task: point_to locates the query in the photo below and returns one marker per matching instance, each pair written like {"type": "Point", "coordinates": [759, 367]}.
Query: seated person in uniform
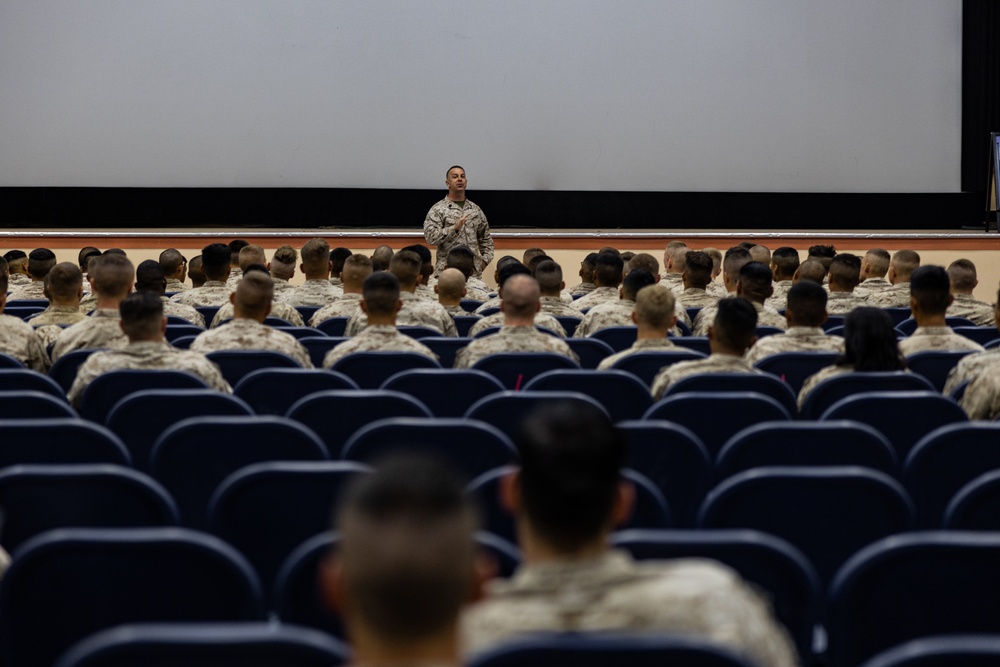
{"type": "Point", "coordinates": [806, 314]}
{"type": "Point", "coordinates": [174, 267]}
{"type": "Point", "coordinates": [972, 366]}
{"type": "Point", "coordinates": [356, 270]}
{"type": "Point", "coordinates": [18, 339]}
{"type": "Point", "coordinates": [63, 289]}
{"type": "Point", "coordinates": [607, 278]}
{"type": "Point", "coordinates": [450, 289]}
{"type": "Point", "coordinates": [566, 498]}
{"type": "Point", "coordinates": [40, 262]}
{"type": "Point", "coordinates": [897, 295]}
{"type": "Point", "coordinates": [112, 276]}
{"type": "Point", "coordinates": [215, 264]}
{"type": "Point", "coordinates": [874, 266]}
{"type": "Point", "coordinates": [930, 296]}
{"type": "Point", "coordinates": [653, 316]}
{"type": "Point", "coordinates": [543, 318]}
{"type": "Point", "coordinates": [845, 274]}
{"type": "Point", "coordinates": [962, 273]}
{"type": "Point", "coordinates": [616, 313]}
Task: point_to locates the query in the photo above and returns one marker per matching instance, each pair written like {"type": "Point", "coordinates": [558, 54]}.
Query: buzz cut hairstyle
{"type": "Point", "coordinates": [635, 282]}
{"type": "Point", "coordinates": [807, 302]}
{"type": "Point", "coordinates": [170, 259]}
{"type": "Point", "coordinates": [406, 265]}
{"type": "Point", "coordinates": [735, 322]}
{"type": "Point", "coordinates": [113, 275]}
{"type": "Point", "coordinates": [285, 254]}
{"type": "Point", "coordinates": [462, 258]}
{"type": "Point", "coordinates": [215, 261]}
{"type": "Point", "coordinates": [786, 260]}
{"type": "Point", "coordinates": [381, 293]}
{"type": "Point", "coordinates": [609, 268]}
{"type": "Point", "coordinates": [141, 313]}
{"type": "Point", "coordinates": [338, 256]}
{"type": "Point", "coordinates": [549, 275]}
{"type": "Point", "coordinates": [64, 280]}
{"type": "Point", "coordinates": [878, 259]}
{"type": "Point", "coordinates": [149, 275]}
{"type": "Point", "coordinates": [531, 253]}
{"type": "Point", "coordinates": [845, 269]}
{"type": "Point", "coordinates": [315, 254]}
{"type": "Point", "coordinates": [962, 273]}
{"type": "Point", "coordinates": [644, 260]}
{"type": "Point", "coordinates": [931, 288]}
{"type": "Point", "coordinates": [255, 292]}
{"type": "Point", "coordinates": [40, 262]}
{"type": "Point", "coordinates": [454, 166]}
{"type": "Point", "coordinates": [654, 306]}
{"type": "Point", "coordinates": [251, 254]}
{"type": "Point", "coordinates": [234, 249]}
{"type": "Point", "coordinates": [698, 267]}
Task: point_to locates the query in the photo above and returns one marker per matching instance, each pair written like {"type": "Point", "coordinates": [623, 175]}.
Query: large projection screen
{"type": "Point", "coordinates": [632, 95]}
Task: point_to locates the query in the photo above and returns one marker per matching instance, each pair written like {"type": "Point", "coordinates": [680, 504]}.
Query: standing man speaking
{"type": "Point", "coordinates": [456, 221]}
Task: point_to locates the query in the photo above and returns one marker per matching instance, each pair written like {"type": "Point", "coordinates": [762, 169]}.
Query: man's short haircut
{"type": "Point", "coordinates": [254, 292]}
{"type": "Point", "coordinates": [315, 255]}
{"type": "Point", "coordinates": [678, 256]}
{"type": "Point", "coordinates": [533, 263]}
{"type": "Point", "coordinates": [112, 275]}
{"type": "Point", "coordinates": [88, 258]}
{"type": "Point", "coordinates": [627, 256]}
{"type": "Point", "coordinates": [509, 270]}
{"type": "Point", "coordinates": [878, 260]}
{"type": "Point", "coordinates": [716, 256]}
{"type": "Point", "coordinates": [635, 281]}
{"type": "Point", "coordinates": [571, 460]}
{"type": "Point", "coordinates": [84, 252]}
{"type": "Point", "coordinates": [149, 276]}
{"type": "Point", "coordinates": [40, 262]}
{"type": "Point", "coordinates": [507, 259]}
{"type": "Point", "coordinates": [338, 256]}
{"type": "Point", "coordinates": [735, 323]}
{"type": "Point", "coordinates": [421, 251]}
{"type": "Point", "coordinates": [454, 166]}
{"type": "Point", "coordinates": [520, 296]}
{"type": "Point", "coordinates": [609, 269]}
{"type": "Point", "coordinates": [644, 260]}
{"type": "Point", "coordinates": [590, 261]}
{"type": "Point", "coordinates": [746, 245]}
{"type": "Point", "coordinates": [785, 261]}
{"type": "Point", "coordinates": [15, 258]}
{"type": "Point", "coordinates": [283, 262]}
{"type": "Point", "coordinates": [142, 314]}
{"type": "Point", "coordinates": [357, 267]}
{"type": "Point", "coordinates": [755, 280]}
{"type": "Point", "coordinates": [761, 253]}
{"type": "Point", "coordinates": [531, 253]}
{"type": "Point", "coordinates": [405, 265]}
{"type": "Point", "coordinates": [812, 269]}
{"type": "Point", "coordinates": [962, 273]}
{"type": "Point", "coordinates": [698, 267]}
{"type": "Point", "coordinates": [845, 270]}
{"type": "Point", "coordinates": [257, 267]}
{"type": "Point", "coordinates": [115, 251]}
{"type": "Point", "coordinates": [462, 258]}
{"type": "Point", "coordinates": [824, 253]}
{"type": "Point", "coordinates": [381, 293]}
{"type": "Point", "coordinates": [676, 244]}
{"type": "Point", "coordinates": [251, 254]}
{"type": "Point", "coordinates": [807, 303]}
{"type": "Point", "coordinates": [170, 260]}
{"type": "Point", "coordinates": [215, 261]}
{"type": "Point", "coordinates": [906, 262]}
{"type": "Point", "coordinates": [733, 261]}
{"type": "Point", "coordinates": [931, 288]}
{"type": "Point", "coordinates": [451, 284]}
{"type": "Point", "coordinates": [234, 250]}
{"type": "Point", "coordinates": [64, 281]}
{"type": "Point", "coordinates": [549, 276]}
{"type": "Point", "coordinates": [381, 257]}
{"type": "Point", "coordinates": [654, 306]}
{"type": "Point", "coordinates": [407, 548]}
{"type": "Point", "coordinates": [196, 270]}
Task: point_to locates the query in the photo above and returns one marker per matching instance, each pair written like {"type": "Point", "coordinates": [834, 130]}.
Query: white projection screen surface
{"type": "Point", "coordinates": [632, 95]}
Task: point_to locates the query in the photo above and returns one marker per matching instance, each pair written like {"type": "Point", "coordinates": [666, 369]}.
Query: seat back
{"type": "Point", "coordinates": [515, 369]}
{"type": "Point", "coordinates": [935, 365]}
{"type": "Point", "coordinates": [175, 331]}
{"type": "Point", "coordinates": [901, 416]}
{"type": "Point", "coordinates": [976, 506]}
{"type": "Point", "coordinates": [300, 332]}
{"type": "Point", "coordinates": [700, 411]}
{"type": "Point", "coordinates": [507, 409]}
{"type": "Point", "coordinates": [696, 343]}
{"type": "Point", "coordinates": [828, 513]}
{"type": "Point", "coordinates": [8, 361]}
{"type": "Point", "coordinates": [445, 347]}
{"type": "Point", "coordinates": [981, 335]}
{"type": "Point", "coordinates": [31, 404]}
{"type": "Point", "coordinates": [798, 443]}
{"type": "Point", "coordinates": [590, 351]}
{"type": "Point", "coordinates": [619, 338]}
{"type": "Point", "coordinates": [911, 586]}
{"type": "Point", "coordinates": [318, 346]}
{"type": "Point", "coordinates": [20, 379]}
{"type": "Point", "coordinates": [416, 331]}
{"type": "Point", "coordinates": [569, 324]}
{"type": "Point", "coordinates": [447, 392]}
{"type": "Point", "coordinates": [59, 440]}
{"type": "Point", "coordinates": [761, 383]}
{"type": "Point", "coordinates": [897, 315]}
{"type": "Point", "coordinates": [334, 415]}
{"type": "Point", "coordinates": [22, 312]}
{"type": "Point", "coordinates": [463, 323]}
{"type": "Point", "coordinates": [67, 584]}
{"type": "Point", "coordinates": [208, 312]}
{"type": "Point", "coordinates": [107, 389]}
{"type": "Point", "coordinates": [370, 369]}
{"type": "Point", "coordinates": [647, 364]}
{"type": "Point", "coordinates": [194, 456]}
{"type": "Point", "coordinates": [140, 418]}
{"type": "Point", "coordinates": [794, 367]}
{"type": "Point", "coordinates": [64, 368]}
{"type": "Point", "coordinates": [769, 563]}
{"type": "Point", "coordinates": [334, 326]}
{"type": "Point", "coordinates": [272, 391]}
{"type": "Point", "coordinates": [471, 447]}
{"type": "Point", "coordinates": [36, 498]}
{"type": "Point", "coordinates": [236, 364]}
{"type": "Point", "coordinates": [952, 651]}
{"type": "Point", "coordinates": [266, 510]}
{"type": "Point", "coordinates": [623, 395]}
{"type": "Point", "coordinates": [836, 387]}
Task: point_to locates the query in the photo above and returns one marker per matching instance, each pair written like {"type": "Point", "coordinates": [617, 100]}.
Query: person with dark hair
{"type": "Point", "coordinates": [874, 266]}
{"type": "Point", "coordinates": [784, 263]}
{"type": "Point", "coordinates": [405, 565]}
{"type": "Point", "coordinates": [462, 258]}
{"type": "Point", "coordinates": [587, 267]}
{"type": "Point", "coordinates": [215, 263]}
{"type": "Point", "coordinates": [235, 272]}
{"type": "Point", "coordinates": [897, 295]}
{"type": "Point", "coordinates": [806, 314]}
{"type": "Point", "coordinates": [616, 313]}
{"type": "Point", "coordinates": [247, 331]}
{"type": "Point", "coordinates": [962, 273]}
{"type": "Point", "coordinates": [40, 262]}
{"type": "Point", "coordinates": [19, 340]}
{"type": "Point", "coordinates": [174, 266]}
{"type": "Point", "coordinates": [754, 284]}
{"type": "Point", "coordinates": [551, 284]}
{"type": "Point", "coordinates": [316, 266]}
{"type": "Point", "coordinates": [730, 335]}
{"type": "Point", "coordinates": [423, 289]}
{"type": "Point", "coordinates": [733, 261]}
{"type": "Point", "coordinates": [196, 273]}
{"type": "Point", "coordinates": [149, 277]}
{"type": "Point", "coordinates": [380, 304]}
{"type": "Point", "coordinates": [112, 276]}
{"type": "Point", "coordinates": [279, 310]}
{"type": "Point", "coordinates": [457, 221]}
{"type": "Point", "coordinates": [695, 279]}
{"type": "Point", "coordinates": [930, 296]}
{"type": "Point", "coordinates": [143, 323]}
{"type": "Point", "coordinates": [519, 308]}
{"type": "Point", "coordinates": [356, 269]}
{"type": "Point", "coordinates": [406, 266]}
{"type": "Point", "coordinates": [381, 257]}
{"type": "Point", "coordinates": [17, 268]}
{"type": "Point", "coordinates": [63, 289]}
{"type": "Point", "coordinates": [282, 268]}
{"type": "Point", "coordinates": [338, 256]}
{"type": "Point", "coordinates": [845, 274]}
{"type": "Point", "coordinates": [654, 317]}
{"type": "Point", "coordinates": [607, 278]}
{"type": "Point", "coordinates": [567, 495]}
{"type": "Point", "coordinates": [541, 319]}
{"type": "Point", "coordinates": [869, 345]}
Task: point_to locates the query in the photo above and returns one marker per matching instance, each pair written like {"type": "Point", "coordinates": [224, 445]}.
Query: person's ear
{"type": "Point", "coordinates": [635, 318]}
{"type": "Point", "coordinates": [364, 306]}
{"type": "Point", "coordinates": [399, 304]}
{"type": "Point", "coordinates": [510, 492]}
{"type": "Point", "coordinates": [332, 587]}
{"type": "Point", "coordinates": [232, 298]}
{"type": "Point", "coordinates": [484, 568]}
{"type": "Point", "coordinates": [621, 510]}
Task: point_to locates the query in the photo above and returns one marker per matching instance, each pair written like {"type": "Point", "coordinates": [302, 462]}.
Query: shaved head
{"type": "Point", "coordinates": [451, 284]}
{"type": "Point", "coordinates": [357, 267]}
{"type": "Point", "coordinates": [64, 281]}
{"type": "Point", "coordinates": [520, 296]}
{"type": "Point", "coordinates": [112, 276]}
{"type": "Point", "coordinates": [251, 254]}
{"type": "Point", "coordinates": [654, 306]}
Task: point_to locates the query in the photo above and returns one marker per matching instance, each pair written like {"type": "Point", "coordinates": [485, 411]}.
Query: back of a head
{"type": "Point", "coordinates": [931, 289]}
{"type": "Point", "coordinates": [533, 263]}
{"type": "Point", "coordinates": [451, 284]}
{"type": "Point", "coordinates": [530, 254]}
{"type": "Point", "coordinates": [733, 261]}
{"type": "Point", "coordinates": [64, 281]}
{"type": "Point", "coordinates": [746, 245]}
{"type": "Point", "coordinates": [40, 262]}
{"type": "Point", "coordinates": [462, 258]}
{"type": "Point", "coordinates": [149, 277]}
{"type": "Point", "coordinates": [571, 460]}
{"type": "Point", "coordinates": [613, 251]}
{"type": "Point", "coordinates": [878, 262]}
{"type": "Point", "coordinates": [735, 323]}
{"type": "Point", "coordinates": [16, 259]}
{"type": "Point", "coordinates": [316, 256]}
{"type": "Point", "coordinates": [234, 250]}
{"type": "Point", "coordinates": [608, 270]}
{"type": "Point", "coordinates": [357, 267]}
{"type": "Point", "coordinates": [142, 316]}
{"type": "Point", "coordinates": [785, 261]}
{"type": "Point", "coordinates": [845, 271]}
{"type": "Point", "coordinates": [215, 261]}
{"type": "Point", "coordinates": [407, 551]}
{"type": "Point", "coordinates": [381, 293]}
{"type": "Point", "coordinates": [678, 258]}
{"type": "Point", "coordinates": [381, 257]}
{"type": "Point", "coordinates": [520, 296]}
{"type": "Point", "coordinates": [870, 341]}
{"type": "Point", "coordinates": [963, 276]}
{"type": "Point", "coordinates": [338, 256]}
{"type": "Point", "coordinates": [698, 267]}
{"type": "Point", "coordinates": [807, 304]}
{"type": "Point", "coordinates": [87, 258]}
{"type": "Point", "coordinates": [112, 275]}
{"type": "Point", "coordinates": [84, 253]}
{"type": "Point", "coordinates": [550, 277]}
{"type": "Point", "coordinates": [905, 262]}
{"type": "Point", "coordinates": [760, 253]}
{"type": "Point", "coordinates": [170, 260]}
{"type": "Point", "coordinates": [644, 260]}
{"type": "Point", "coordinates": [251, 254]}
{"type": "Point", "coordinates": [589, 262]}
{"type": "Point", "coordinates": [253, 295]}
{"type": "Point", "coordinates": [509, 270]}
{"type": "Point", "coordinates": [635, 281]}
{"type": "Point", "coordinates": [811, 270]}
{"type": "Point", "coordinates": [627, 256]}
{"type": "Point", "coordinates": [654, 307]}
{"type": "Point", "coordinates": [755, 281]}
{"type": "Point", "coordinates": [196, 271]}
{"type": "Point", "coordinates": [823, 253]}
{"type": "Point", "coordinates": [283, 262]}
{"type": "Point", "coordinates": [406, 266]}
{"type": "Point", "coordinates": [426, 258]}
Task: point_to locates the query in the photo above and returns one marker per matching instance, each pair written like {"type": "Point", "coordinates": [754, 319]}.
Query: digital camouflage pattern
{"type": "Point", "coordinates": [542, 319]}
{"type": "Point", "coordinates": [512, 339]}
{"type": "Point", "coordinates": [311, 293]}
{"type": "Point", "coordinates": [19, 340]}
{"type": "Point", "coordinates": [377, 338]}
{"type": "Point", "coordinates": [212, 293]}
{"type": "Point", "coordinates": [714, 363]}
{"type": "Point", "coordinates": [439, 230]}
{"type": "Point", "coordinates": [100, 330]}
{"type": "Point", "coordinates": [978, 312]}
{"type": "Point", "coordinates": [795, 339]}
{"type": "Point", "coordinates": [346, 306]}
{"type": "Point", "coordinates": [641, 345]}
{"type": "Point", "coordinates": [925, 339]}
{"type": "Point", "coordinates": [246, 334]}
{"type": "Point", "coordinates": [415, 312]}
{"type": "Point", "coordinates": [282, 311]}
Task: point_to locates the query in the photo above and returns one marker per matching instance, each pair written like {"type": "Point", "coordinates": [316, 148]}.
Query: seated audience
{"type": "Point", "coordinates": [654, 317]}
{"type": "Point", "coordinates": [550, 282]}
{"type": "Point", "coordinates": [17, 268]}
{"type": "Point", "coordinates": [760, 253]}
{"type": "Point", "coordinates": [812, 270]}
{"type": "Point", "coordinates": [18, 339]}
{"type": "Point", "coordinates": [282, 268]}
{"type": "Point", "coordinates": [316, 266]}
{"type": "Point", "coordinates": [356, 269]}
{"type": "Point", "coordinates": [845, 274]}
{"type": "Point", "coordinates": [695, 279]}
{"type": "Point", "coordinates": [607, 278]}
{"type": "Point", "coordinates": [174, 267]}
{"type": "Point", "coordinates": [962, 273]}
{"type": "Point", "coordinates": [423, 288]}
{"type": "Point", "coordinates": [806, 314]}
{"type": "Point", "coordinates": [143, 323]}
{"type": "Point", "coordinates": [714, 288]}
{"type": "Point", "coordinates": [112, 276]}
{"type": "Point", "coordinates": [279, 310]}
{"type": "Point", "coordinates": [616, 313]}
{"type": "Point", "coordinates": [381, 257]}
{"type": "Point", "coordinates": [542, 319]}
{"type": "Point", "coordinates": [754, 285]}
{"type": "Point", "coordinates": [63, 289]}
{"type": "Point", "coordinates": [40, 262]}
{"type": "Point", "coordinates": [462, 258]}
{"type": "Point", "coordinates": [149, 278]}
{"type": "Point", "coordinates": [587, 267]}
{"type": "Point", "coordinates": [450, 290]}
{"type": "Point", "coordinates": [196, 272]}
{"type": "Point", "coordinates": [784, 264]}
{"type": "Point", "coordinates": [674, 263]}
{"type": "Point", "coordinates": [733, 262]}
{"type": "Point", "coordinates": [215, 263]}
{"type": "Point", "coordinates": [897, 295]}
{"type": "Point", "coordinates": [874, 266]}
{"type": "Point", "coordinates": [930, 296]}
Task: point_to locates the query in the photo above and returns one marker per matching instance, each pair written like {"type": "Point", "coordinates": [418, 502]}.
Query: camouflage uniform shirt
{"type": "Point", "coordinates": [416, 312]}
{"type": "Point", "coordinates": [981, 399]}
{"type": "Point", "coordinates": [673, 281]}
{"type": "Point", "coordinates": [346, 306]}
{"type": "Point", "coordinates": [612, 592]}
{"type": "Point", "coordinates": [641, 345]}
{"type": "Point", "coordinates": [146, 355]}
{"type": "Point", "coordinates": [512, 339]}
{"type": "Point", "coordinates": [33, 291]}
{"type": "Point", "coordinates": [894, 296]}
{"type": "Point", "coordinates": [18, 279]}
{"type": "Point", "coordinates": [555, 306]}
{"type": "Point", "coordinates": [614, 314]}
{"type": "Point", "coordinates": [925, 339]}
{"type": "Point", "coordinates": [174, 285]}
{"type": "Point", "coordinates": [979, 312]}
{"type": "Point", "coordinates": [439, 230]}
{"type": "Point", "coordinates": [19, 340]}
{"type": "Point", "coordinates": [870, 286]}
{"type": "Point", "coordinates": [377, 338]}
{"type": "Point", "coordinates": [246, 334]}
{"type": "Point", "coordinates": [972, 366]}
{"type": "Point", "coordinates": [474, 292]}
{"type": "Point", "coordinates": [426, 293]}
{"type": "Point", "coordinates": [542, 319]}
{"type": "Point", "coordinates": [212, 293]}
{"type": "Point", "coordinates": [281, 286]}
{"type": "Point", "coordinates": [779, 298]}
{"type": "Point", "coordinates": [183, 311]}
{"type": "Point", "coordinates": [235, 276]}
{"type": "Point", "coordinates": [493, 302]}
{"type": "Point", "coordinates": [695, 297]}
{"type": "Point", "coordinates": [311, 293]}
{"type": "Point", "coordinates": [100, 330]}
{"type": "Point", "coordinates": [766, 317]}
{"type": "Point", "coordinates": [88, 303]}
{"type": "Point", "coordinates": [598, 296]}
{"type": "Point", "coordinates": [841, 303]}
{"type": "Point", "coordinates": [715, 363]}
{"type": "Point", "coordinates": [795, 339]}
{"type": "Point", "coordinates": [282, 311]}
{"type": "Point", "coordinates": [582, 288]}
{"type": "Point", "coordinates": [49, 323]}
{"type": "Point", "coordinates": [818, 377]}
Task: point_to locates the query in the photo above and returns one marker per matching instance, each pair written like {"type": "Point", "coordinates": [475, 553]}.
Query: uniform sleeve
{"type": "Point", "coordinates": [982, 398]}
{"type": "Point", "coordinates": [38, 358]}
{"type": "Point", "coordinates": [485, 242]}
{"type": "Point", "coordinates": [88, 370]}
{"type": "Point", "coordinates": [436, 229]}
